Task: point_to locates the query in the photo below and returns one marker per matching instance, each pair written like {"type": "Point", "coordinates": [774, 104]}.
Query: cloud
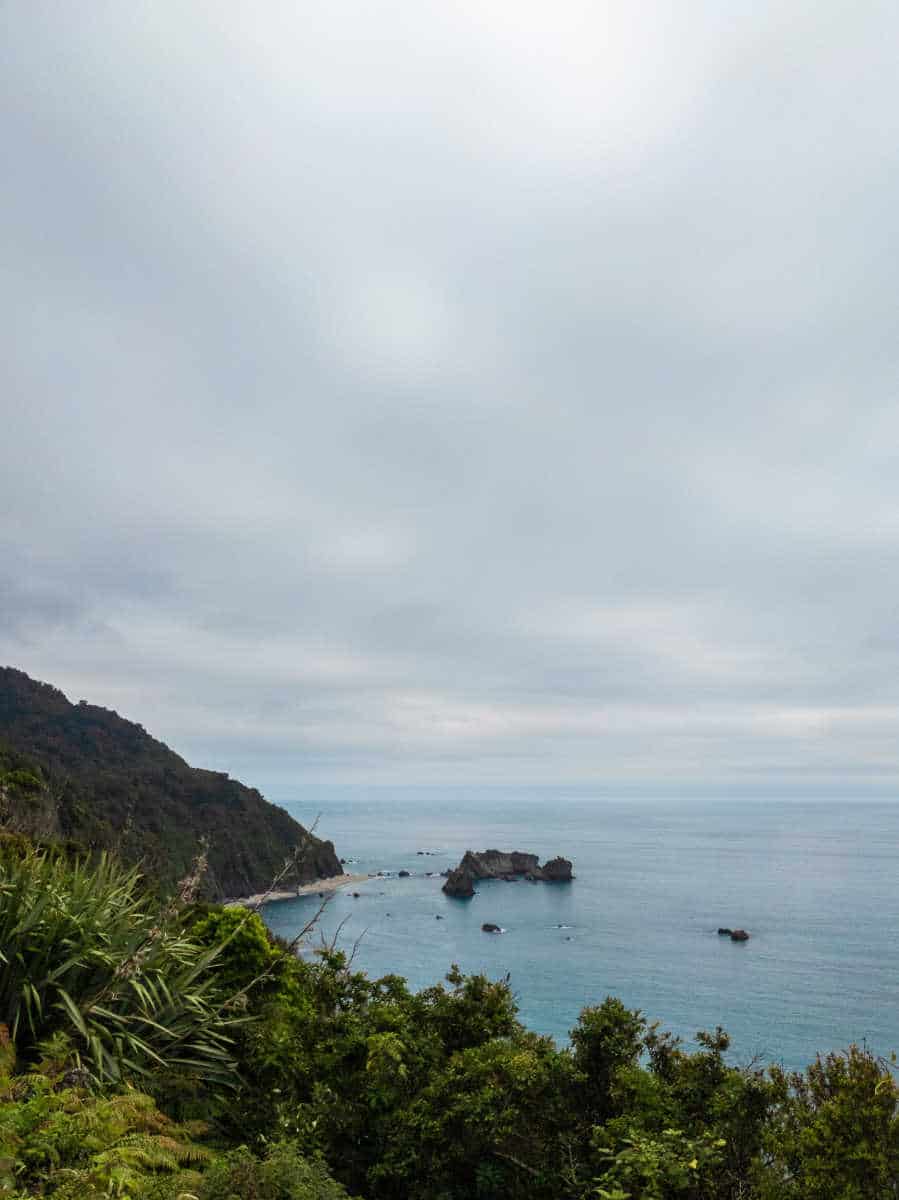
{"type": "Point", "coordinates": [486, 392]}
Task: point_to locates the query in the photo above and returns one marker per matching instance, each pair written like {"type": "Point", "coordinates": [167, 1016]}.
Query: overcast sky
{"type": "Point", "coordinates": [458, 392]}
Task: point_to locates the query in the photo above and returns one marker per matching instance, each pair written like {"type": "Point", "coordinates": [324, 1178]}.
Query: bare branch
{"type": "Point", "coordinates": [356, 945]}
{"type": "Point", "coordinates": [516, 1162]}
{"type": "Point", "coordinates": [289, 863]}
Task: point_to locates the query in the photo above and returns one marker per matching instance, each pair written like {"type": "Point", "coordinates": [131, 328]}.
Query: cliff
{"type": "Point", "coordinates": [83, 773]}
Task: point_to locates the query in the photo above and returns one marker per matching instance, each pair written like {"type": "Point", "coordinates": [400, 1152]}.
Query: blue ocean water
{"type": "Point", "coordinates": [814, 882]}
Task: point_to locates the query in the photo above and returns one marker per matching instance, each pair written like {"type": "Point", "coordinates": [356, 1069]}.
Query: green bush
{"type": "Point", "coordinates": [84, 950]}
{"type": "Point", "coordinates": [283, 1174]}
{"type": "Point", "coordinates": [23, 779]}
{"type": "Point", "coordinates": [834, 1133]}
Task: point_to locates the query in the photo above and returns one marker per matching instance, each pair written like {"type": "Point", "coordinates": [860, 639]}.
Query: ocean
{"type": "Point", "coordinates": [815, 883]}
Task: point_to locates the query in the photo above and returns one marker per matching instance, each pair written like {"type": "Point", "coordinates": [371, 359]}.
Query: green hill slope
{"type": "Point", "coordinates": [76, 771]}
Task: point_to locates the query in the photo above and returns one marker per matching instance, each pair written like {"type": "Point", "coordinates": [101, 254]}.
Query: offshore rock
{"type": "Point", "coordinates": [509, 865]}
{"type": "Point", "coordinates": [739, 935]}
{"type": "Point", "coordinates": [557, 870]}
{"type": "Point", "coordinates": [459, 883]}
{"type": "Point", "coordinates": [489, 927]}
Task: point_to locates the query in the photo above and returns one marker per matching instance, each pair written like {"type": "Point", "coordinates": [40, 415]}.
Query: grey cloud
{"type": "Point", "coordinates": [496, 391]}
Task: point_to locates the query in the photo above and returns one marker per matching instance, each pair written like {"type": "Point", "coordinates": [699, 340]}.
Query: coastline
{"type": "Point", "coordinates": [331, 884]}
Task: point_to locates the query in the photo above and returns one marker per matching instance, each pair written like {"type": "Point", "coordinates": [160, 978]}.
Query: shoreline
{"type": "Point", "coordinates": [332, 884]}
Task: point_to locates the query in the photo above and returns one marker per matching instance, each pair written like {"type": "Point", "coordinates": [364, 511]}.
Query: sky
{"type": "Point", "coordinates": [468, 392]}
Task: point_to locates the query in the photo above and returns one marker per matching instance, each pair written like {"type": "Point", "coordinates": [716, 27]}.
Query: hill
{"type": "Point", "coordinates": [83, 773]}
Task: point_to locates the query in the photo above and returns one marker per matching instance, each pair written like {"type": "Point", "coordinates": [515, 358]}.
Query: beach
{"type": "Point", "coordinates": [304, 889]}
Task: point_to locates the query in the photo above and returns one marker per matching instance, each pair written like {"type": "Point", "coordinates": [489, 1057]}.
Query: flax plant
{"type": "Point", "coordinates": [83, 949]}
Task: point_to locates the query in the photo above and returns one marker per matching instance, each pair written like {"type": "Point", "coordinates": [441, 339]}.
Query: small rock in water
{"type": "Point", "coordinates": [402, 874]}
{"type": "Point", "coordinates": [489, 927]}
{"type": "Point", "coordinates": [438, 917]}
{"type": "Point", "coordinates": [723, 932]}
{"type": "Point", "coordinates": [355, 895]}
{"type": "Point", "coordinates": [739, 935]}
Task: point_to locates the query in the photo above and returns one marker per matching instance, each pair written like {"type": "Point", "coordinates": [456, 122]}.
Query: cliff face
{"type": "Point", "coordinates": [104, 782]}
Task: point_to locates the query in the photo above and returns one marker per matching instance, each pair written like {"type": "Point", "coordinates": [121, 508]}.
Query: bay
{"type": "Point", "coordinates": [814, 881]}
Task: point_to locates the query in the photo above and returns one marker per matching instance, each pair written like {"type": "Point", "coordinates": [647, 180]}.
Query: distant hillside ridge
{"type": "Point", "coordinates": [82, 773]}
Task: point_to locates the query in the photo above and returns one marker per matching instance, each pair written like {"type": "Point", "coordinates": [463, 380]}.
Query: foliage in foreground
{"type": "Point", "coordinates": [84, 950]}
{"type": "Point", "coordinates": [57, 1139]}
{"type": "Point", "coordinates": [347, 1085]}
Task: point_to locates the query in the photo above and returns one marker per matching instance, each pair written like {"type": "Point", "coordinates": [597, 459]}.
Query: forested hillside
{"type": "Point", "coordinates": [83, 773]}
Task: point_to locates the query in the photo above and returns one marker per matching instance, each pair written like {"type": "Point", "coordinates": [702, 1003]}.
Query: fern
{"type": "Point", "coordinates": [75, 1146]}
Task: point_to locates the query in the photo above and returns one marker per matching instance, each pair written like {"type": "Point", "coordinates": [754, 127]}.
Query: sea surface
{"type": "Point", "coordinates": [815, 883]}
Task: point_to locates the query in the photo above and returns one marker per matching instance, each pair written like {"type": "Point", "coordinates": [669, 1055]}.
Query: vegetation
{"type": "Point", "coordinates": [82, 773]}
{"type": "Point", "coordinates": [155, 1046]}
{"type": "Point", "coordinates": [86, 953]}
{"type": "Point", "coordinates": [168, 1050]}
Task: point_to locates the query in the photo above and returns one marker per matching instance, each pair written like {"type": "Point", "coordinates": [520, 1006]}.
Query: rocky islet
{"type": "Point", "coordinates": [508, 865]}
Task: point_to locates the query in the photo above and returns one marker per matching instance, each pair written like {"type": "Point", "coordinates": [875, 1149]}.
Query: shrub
{"type": "Point", "coordinates": [282, 1175]}
{"type": "Point", "coordinates": [84, 950]}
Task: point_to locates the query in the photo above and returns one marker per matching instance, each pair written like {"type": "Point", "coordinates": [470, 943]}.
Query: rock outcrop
{"type": "Point", "coordinates": [460, 884]}
{"type": "Point", "coordinates": [557, 870]}
{"type": "Point", "coordinates": [508, 865]}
